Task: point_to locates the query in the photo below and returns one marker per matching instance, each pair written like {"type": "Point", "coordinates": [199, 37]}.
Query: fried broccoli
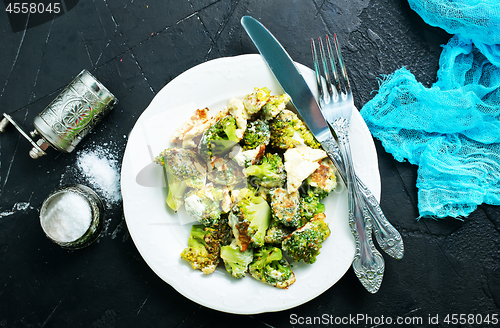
{"type": "Point", "coordinates": [236, 261]}
{"type": "Point", "coordinates": [304, 243]}
{"type": "Point", "coordinates": [254, 101]}
{"type": "Point", "coordinates": [276, 233]}
{"type": "Point", "coordinates": [270, 267]}
{"type": "Point", "coordinates": [219, 138]}
{"type": "Point", "coordinates": [269, 173]}
{"type": "Point", "coordinates": [225, 171]}
{"type": "Point", "coordinates": [273, 106]}
{"type": "Point", "coordinates": [256, 134]}
{"type": "Point", "coordinates": [293, 210]}
{"type": "Point", "coordinates": [204, 205]}
{"type": "Point", "coordinates": [183, 168]}
{"type": "Point", "coordinates": [203, 248]}
{"type": "Point", "coordinates": [288, 131]}
{"type": "Point", "coordinates": [285, 207]}
{"type": "Point", "coordinates": [322, 181]}
{"type": "Point", "coordinates": [249, 218]}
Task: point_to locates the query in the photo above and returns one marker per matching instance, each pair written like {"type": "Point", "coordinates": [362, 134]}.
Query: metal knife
{"type": "Point", "coordinates": [294, 84]}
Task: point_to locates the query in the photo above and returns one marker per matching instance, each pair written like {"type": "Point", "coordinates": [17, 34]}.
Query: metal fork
{"type": "Point", "coordinates": [387, 236]}
{"type": "Point", "coordinates": [337, 104]}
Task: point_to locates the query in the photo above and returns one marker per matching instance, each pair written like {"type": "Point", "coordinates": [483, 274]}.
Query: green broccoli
{"type": "Point", "coordinates": [225, 171]}
{"type": "Point", "coordinates": [288, 131]}
{"type": "Point", "coordinates": [203, 248]}
{"type": "Point", "coordinates": [182, 168]}
{"type": "Point", "coordinates": [204, 205]}
{"type": "Point", "coordinates": [304, 243]}
{"type": "Point", "coordinates": [236, 261]}
{"type": "Point", "coordinates": [285, 206]}
{"type": "Point", "coordinates": [254, 101]}
{"type": "Point", "coordinates": [256, 134]}
{"type": "Point", "coordinates": [269, 173]}
{"type": "Point", "coordinates": [219, 138]}
{"type": "Point", "coordinates": [322, 181]}
{"type": "Point", "coordinates": [273, 106]}
{"type": "Point", "coordinates": [276, 233]}
{"type": "Point", "coordinates": [270, 267]}
{"type": "Point", "coordinates": [292, 209]}
{"type": "Point", "coordinates": [249, 219]}
{"type": "Point", "coordinates": [308, 208]}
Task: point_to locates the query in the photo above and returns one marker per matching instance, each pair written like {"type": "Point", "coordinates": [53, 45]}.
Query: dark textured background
{"type": "Point", "coordinates": [135, 48]}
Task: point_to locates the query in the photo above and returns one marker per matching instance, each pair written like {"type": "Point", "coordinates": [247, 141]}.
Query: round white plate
{"type": "Point", "coordinates": [160, 235]}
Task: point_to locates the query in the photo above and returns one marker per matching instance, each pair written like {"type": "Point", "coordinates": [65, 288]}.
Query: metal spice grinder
{"type": "Point", "coordinates": [69, 117]}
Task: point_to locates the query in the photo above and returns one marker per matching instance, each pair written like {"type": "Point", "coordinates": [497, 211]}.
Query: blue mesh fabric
{"type": "Point", "coordinates": [452, 129]}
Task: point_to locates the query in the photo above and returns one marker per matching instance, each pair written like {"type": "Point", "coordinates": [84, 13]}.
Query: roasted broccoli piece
{"type": "Point", "coordinates": [256, 134]}
{"type": "Point", "coordinates": [276, 233]}
{"type": "Point", "coordinates": [182, 168]}
{"type": "Point", "coordinates": [322, 181]}
{"type": "Point", "coordinates": [225, 171]}
{"type": "Point", "coordinates": [269, 173]}
{"type": "Point", "coordinates": [273, 106]}
{"type": "Point", "coordinates": [304, 243]}
{"type": "Point", "coordinates": [249, 219]}
{"type": "Point", "coordinates": [204, 205]}
{"type": "Point", "coordinates": [293, 210]}
{"type": "Point", "coordinates": [219, 138]}
{"type": "Point", "coordinates": [270, 267]}
{"type": "Point", "coordinates": [203, 248]}
{"type": "Point", "coordinates": [254, 101]}
{"type": "Point", "coordinates": [236, 261]}
{"type": "Point", "coordinates": [288, 131]}
{"type": "Point", "coordinates": [308, 208]}
{"type": "Point", "coordinates": [285, 207]}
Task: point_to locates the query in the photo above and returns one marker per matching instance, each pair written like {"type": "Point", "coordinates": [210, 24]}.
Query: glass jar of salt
{"type": "Point", "coordinates": [72, 216]}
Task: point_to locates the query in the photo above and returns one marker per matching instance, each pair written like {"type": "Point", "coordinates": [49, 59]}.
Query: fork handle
{"type": "Point", "coordinates": [368, 263]}
{"type": "Point", "coordinates": [388, 238]}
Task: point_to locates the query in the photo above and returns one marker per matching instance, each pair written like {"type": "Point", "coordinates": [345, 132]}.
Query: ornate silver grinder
{"type": "Point", "coordinates": [69, 117]}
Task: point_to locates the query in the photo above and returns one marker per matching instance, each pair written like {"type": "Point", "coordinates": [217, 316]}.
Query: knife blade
{"type": "Point", "coordinates": [289, 77]}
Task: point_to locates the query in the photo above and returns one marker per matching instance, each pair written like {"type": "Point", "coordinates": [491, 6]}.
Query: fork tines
{"type": "Point", "coordinates": [331, 66]}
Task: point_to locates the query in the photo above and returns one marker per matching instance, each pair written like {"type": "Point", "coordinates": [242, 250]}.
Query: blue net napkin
{"type": "Point", "coordinates": [452, 129]}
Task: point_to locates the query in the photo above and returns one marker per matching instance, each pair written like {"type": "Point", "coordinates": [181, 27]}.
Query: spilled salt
{"type": "Point", "coordinates": [99, 168]}
{"type": "Point", "coordinates": [67, 217]}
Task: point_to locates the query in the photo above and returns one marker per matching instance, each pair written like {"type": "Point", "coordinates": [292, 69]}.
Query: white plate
{"type": "Point", "coordinates": [160, 235]}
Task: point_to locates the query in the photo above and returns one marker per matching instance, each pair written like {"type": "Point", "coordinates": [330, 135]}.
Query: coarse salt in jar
{"type": "Point", "coordinates": [72, 216]}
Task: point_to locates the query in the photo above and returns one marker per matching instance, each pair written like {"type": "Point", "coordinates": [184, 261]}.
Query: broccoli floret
{"type": "Point", "coordinates": [219, 138]}
{"type": "Point", "coordinates": [225, 171]}
{"type": "Point", "coordinates": [269, 173]}
{"type": "Point", "coordinates": [304, 243]}
{"type": "Point", "coordinates": [203, 248]}
{"type": "Point", "coordinates": [256, 134]}
{"type": "Point", "coordinates": [288, 131]}
{"type": "Point", "coordinates": [293, 210]}
{"type": "Point", "coordinates": [276, 233]}
{"type": "Point", "coordinates": [322, 181]}
{"type": "Point", "coordinates": [285, 207]}
{"type": "Point", "coordinates": [254, 101]}
{"type": "Point", "coordinates": [270, 267]}
{"type": "Point", "coordinates": [274, 105]}
{"type": "Point", "coordinates": [182, 168]}
{"type": "Point", "coordinates": [176, 190]}
{"type": "Point", "coordinates": [249, 219]}
{"type": "Point", "coordinates": [310, 206]}
{"type": "Point", "coordinates": [204, 205]}
{"type": "Point", "coordinates": [236, 261]}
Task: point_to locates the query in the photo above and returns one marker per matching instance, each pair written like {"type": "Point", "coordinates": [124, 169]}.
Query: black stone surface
{"type": "Point", "coordinates": [135, 48]}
